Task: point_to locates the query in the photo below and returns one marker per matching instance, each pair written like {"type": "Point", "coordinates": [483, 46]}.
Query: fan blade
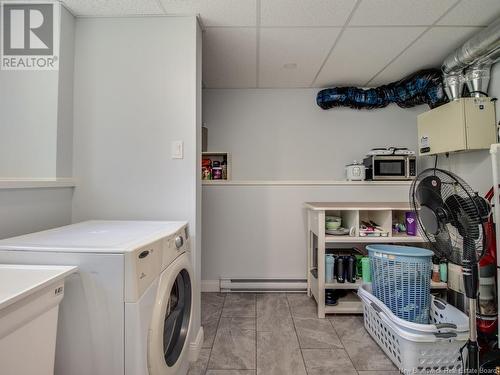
{"type": "Point", "coordinates": [443, 245]}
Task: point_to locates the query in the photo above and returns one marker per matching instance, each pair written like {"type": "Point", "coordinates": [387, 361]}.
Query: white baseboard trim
{"type": "Point", "coordinates": [196, 345]}
{"type": "Point", "coordinates": [210, 285]}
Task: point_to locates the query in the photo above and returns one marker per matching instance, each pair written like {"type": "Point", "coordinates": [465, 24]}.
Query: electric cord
{"type": "Point", "coordinates": [462, 355]}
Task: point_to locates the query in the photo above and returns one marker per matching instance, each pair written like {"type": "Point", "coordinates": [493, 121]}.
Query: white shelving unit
{"type": "Point", "coordinates": [352, 214]}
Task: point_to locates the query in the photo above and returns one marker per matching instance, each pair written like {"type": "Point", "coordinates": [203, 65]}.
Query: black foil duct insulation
{"type": "Point", "coordinates": [422, 87]}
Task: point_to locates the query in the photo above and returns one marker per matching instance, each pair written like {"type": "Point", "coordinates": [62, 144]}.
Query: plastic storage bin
{"type": "Point", "coordinates": [417, 348]}
{"type": "Point", "coordinates": [401, 280]}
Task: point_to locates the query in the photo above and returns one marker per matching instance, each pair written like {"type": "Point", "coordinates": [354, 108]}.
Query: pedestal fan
{"type": "Point", "coordinates": [451, 217]}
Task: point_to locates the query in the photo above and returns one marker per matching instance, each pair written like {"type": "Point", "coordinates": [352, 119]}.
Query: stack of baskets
{"type": "Point", "coordinates": [420, 333]}
{"type": "Point", "coordinates": [401, 278]}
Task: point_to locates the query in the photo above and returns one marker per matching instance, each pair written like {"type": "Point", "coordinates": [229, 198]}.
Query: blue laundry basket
{"type": "Point", "coordinates": [401, 278]}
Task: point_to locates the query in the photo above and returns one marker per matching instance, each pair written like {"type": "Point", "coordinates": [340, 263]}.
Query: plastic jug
{"type": "Point", "coordinates": [329, 266]}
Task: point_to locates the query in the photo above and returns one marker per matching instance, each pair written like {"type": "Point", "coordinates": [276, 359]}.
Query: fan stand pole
{"type": "Point", "coordinates": [472, 346]}
{"type": "Point", "coordinates": [494, 151]}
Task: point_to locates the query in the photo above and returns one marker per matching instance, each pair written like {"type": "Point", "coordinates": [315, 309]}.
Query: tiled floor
{"type": "Point", "coordinates": [280, 334]}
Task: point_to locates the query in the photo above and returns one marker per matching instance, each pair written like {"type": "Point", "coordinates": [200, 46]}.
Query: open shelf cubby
{"type": "Point", "coordinates": [353, 214]}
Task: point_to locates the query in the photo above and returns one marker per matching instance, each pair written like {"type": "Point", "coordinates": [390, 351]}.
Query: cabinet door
{"type": "Point", "coordinates": [442, 129]}
{"type": "Point", "coordinates": [480, 123]}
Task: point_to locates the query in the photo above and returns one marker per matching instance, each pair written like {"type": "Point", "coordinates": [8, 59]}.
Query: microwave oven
{"type": "Point", "coordinates": [390, 167]}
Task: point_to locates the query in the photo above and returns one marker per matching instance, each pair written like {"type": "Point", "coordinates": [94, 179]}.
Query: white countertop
{"type": "Point", "coordinates": [362, 206]}
{"type": "Point", "coordinates": [98, 236]}
{"type": "Point", "coordinates": [20, 281]}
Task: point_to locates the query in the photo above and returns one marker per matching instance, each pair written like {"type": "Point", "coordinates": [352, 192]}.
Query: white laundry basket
{"type": "Point", "coordinates": [417, 348]}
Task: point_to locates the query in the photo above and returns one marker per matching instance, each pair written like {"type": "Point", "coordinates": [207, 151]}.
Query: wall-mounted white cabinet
{"type": "Point", "coordinates": [460, 125]}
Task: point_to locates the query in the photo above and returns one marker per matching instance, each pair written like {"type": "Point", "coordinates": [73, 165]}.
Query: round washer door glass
{"type": "Point", "coordinates": [177, 316]}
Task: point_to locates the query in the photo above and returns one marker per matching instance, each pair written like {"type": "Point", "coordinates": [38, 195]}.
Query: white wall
{"type": "Point", "coordinates": [260, 231]}
{"type": "Point", "coordinates": [284, 135]}
{"type": "Point", "coordinates": [136, 87]}
{"type": "Point", "coordinates": [30, 210]}
{"type": "Point", "coordinates": [36, 115]}
{"type": "Point", "coordinates": [28, 123]}
{"type": "Point", "coordinates": [64, 160]}
{"type": "Point", "coordinates": [36, 121]}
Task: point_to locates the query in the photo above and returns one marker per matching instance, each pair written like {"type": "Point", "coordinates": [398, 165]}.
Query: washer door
{"type": "Point", "coordinates": [170, 325]}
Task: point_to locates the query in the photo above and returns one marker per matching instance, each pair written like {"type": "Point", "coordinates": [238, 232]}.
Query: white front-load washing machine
{"type": "Point", "coordinates": [129, 309]}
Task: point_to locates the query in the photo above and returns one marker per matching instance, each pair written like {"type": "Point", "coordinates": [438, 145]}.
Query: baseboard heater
{"type": "Point", "coordinates": [262, 285]}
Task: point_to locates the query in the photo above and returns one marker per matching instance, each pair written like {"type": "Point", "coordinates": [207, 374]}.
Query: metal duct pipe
{"type": "Point", "coordinates": [477, 79]}
{"type": "Point", "coordinates": [480, 45]}
{"type": "Point", "coordinates": [476, 56]}
{"type": "Point", "coordinates": [453, 85]}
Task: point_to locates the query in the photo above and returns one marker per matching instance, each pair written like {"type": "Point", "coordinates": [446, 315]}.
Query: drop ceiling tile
{"type": "Point", "coordinates": [112, 7]}
{"type": "Point", "coordinates": [305, 12]}
{"type": "Point", "coordinates": [399, 12]}
{"type": "Point", "coordinates": [303, 48]}
{"type": "Point", "coordinates": [428, 52]}
{"type": "Point", "coordinates": [216, 12]}
{"type": "Point", "coordinates": [362, 52]}
{"type": "Point", "coordinates": [473, 13]}
{"type": "Point", "coordinates": [229, 57]}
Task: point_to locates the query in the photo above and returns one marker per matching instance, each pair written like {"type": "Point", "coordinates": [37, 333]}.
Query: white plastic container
{"type": "Point", "coordinates": [417, 348]}
{"type": "Point", "coordinates": [29, 303]}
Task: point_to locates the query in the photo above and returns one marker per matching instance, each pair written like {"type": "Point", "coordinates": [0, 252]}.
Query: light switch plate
{"type": "Point", "coordinates": [177, 150]}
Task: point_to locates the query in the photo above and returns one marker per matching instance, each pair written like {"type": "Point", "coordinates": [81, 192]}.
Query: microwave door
{"type": "Point", "coordinates": [389, 169]}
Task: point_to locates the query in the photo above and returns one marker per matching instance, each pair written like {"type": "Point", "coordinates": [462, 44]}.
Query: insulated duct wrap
{"type": "Point", "coordinates": [422, 87]}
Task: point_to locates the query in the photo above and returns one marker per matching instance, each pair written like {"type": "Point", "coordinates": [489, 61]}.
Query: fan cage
{"type": "Point", "coordinates": [463, 220]}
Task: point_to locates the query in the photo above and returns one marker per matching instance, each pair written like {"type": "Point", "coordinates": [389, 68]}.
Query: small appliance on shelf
{"type": "Point", "coordinates": [390, 163]}
{"type": "Point", "coordinates": [355, 171]}
{"type": "Point", "coordinates": [390, 151]}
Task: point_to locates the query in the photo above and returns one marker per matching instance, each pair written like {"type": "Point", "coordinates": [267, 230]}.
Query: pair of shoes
{"type": "Point", "coordinates": [332, 296]}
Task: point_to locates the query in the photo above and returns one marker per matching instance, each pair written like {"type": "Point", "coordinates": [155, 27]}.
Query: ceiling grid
{"type": "Point", "coordinates": [314, 43]}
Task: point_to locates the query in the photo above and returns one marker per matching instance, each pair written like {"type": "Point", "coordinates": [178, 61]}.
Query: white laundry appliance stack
{"type": "Point", "coordinates": [129, 309]}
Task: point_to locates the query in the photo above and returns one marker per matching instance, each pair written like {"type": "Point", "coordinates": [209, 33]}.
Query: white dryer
{"type": "Point", "coordinates": [128, 311]}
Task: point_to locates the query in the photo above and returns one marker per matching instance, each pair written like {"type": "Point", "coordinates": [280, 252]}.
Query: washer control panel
{"type": "Point", "coordinates": [174, 245]}
{"type": "Point", "coordinates": [141, 268]}
{"type": "Point", "coordinates": [179, 241]}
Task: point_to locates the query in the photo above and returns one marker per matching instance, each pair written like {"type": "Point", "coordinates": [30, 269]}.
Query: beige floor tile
{"type": "Point", "coordinates": [278, 353]}
{"type": "Point", "coordinates": [273, 313]}
{"type": "Point", "coordinates": [239, 305]}
{"type": "Point", "coordinates": [349, 326]}
{"type": "Point", "coordinates": [230, 372]}
{"type": "Point", "coordinates": [199, 367]}
{"type": "Point", "coordinates": [235, 344]}
{"type": "Point", "coordinates": [302, 306]}
{"type": "Point", "coordinates": [314, 333]}
{"type": "Point", "coordinates": [328, 361]}
{"type": "Point", "coordinates": [211, 306]}
{"type": "Point", "coordinates": [367, 355]}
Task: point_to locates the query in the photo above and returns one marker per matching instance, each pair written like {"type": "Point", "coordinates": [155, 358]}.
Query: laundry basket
{"type": "Point", "coordinates": [401, 280]}
{"type": "Point", "coordinates": [417, 348]}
